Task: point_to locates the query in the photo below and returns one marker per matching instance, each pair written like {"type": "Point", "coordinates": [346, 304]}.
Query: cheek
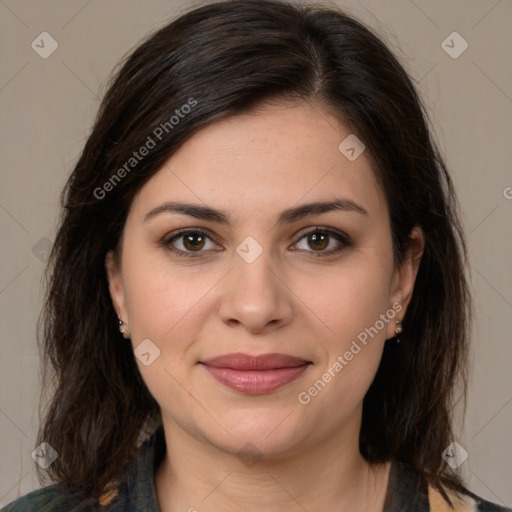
{"type": "Point", "coordinates": [151, 302]}
{"type": "Point", "coordinates": [351, 305]}
{"type": "Point", "coordinates": [162, 306]}
{"type": "Point", "coordinates": [166, 304]}
{"type": "Point", "coordinates": [350, 299]}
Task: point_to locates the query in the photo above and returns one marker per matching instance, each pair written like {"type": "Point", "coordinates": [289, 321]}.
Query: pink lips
{"type": "Point", "coordinates": [255, 375]}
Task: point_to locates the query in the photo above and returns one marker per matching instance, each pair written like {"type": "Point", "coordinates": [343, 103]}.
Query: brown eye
{"type": "Point", "coordinates": [193, 241]}
{"type": "Point", "coordinates": [187, 242]}
{"type": "Point", "coordinates": [319, 239]}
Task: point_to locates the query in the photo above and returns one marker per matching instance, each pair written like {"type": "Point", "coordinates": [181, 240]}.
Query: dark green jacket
{"type": "Point", "coordinates": [406, 492]}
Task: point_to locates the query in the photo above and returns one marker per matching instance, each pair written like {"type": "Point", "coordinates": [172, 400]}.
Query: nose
{"type": "Point", "coordinates": [256, 296]}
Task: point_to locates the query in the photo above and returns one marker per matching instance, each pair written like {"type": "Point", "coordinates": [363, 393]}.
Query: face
{"type": "Point", "coordinates": [321, 286]}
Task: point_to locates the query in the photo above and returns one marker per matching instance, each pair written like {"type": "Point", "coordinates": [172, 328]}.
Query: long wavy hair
{"type": "Point", "coordinates": [226, 59]}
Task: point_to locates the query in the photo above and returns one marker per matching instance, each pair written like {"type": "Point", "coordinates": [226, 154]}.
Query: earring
{"type": "Point", "coordinates": [399, 328]}
{"type": "Point", "coordinates": [123, 328]}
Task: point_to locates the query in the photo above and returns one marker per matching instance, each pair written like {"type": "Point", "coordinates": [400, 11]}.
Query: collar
{"type": "Point", "coordinates": [406, 492]}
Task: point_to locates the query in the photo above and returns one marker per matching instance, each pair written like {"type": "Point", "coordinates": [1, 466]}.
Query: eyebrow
{"type": "Point", "coordinates": [287, 216]}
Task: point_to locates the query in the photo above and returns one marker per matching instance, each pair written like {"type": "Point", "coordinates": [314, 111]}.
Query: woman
{"type": "Point", "coordinates": [257, 297]}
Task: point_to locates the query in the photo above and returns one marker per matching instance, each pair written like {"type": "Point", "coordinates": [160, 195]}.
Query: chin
{"type": "Point", "coordinates": [255, 437]}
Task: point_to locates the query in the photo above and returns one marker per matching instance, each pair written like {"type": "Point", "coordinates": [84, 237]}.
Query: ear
{"type": "Point", "coordinates": [115, 285]}
{"type": "Point", "coordinates": [404, 277]}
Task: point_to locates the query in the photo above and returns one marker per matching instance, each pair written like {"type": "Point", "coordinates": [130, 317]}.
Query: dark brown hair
{"type": "Point", "coordinates": [224, 59]}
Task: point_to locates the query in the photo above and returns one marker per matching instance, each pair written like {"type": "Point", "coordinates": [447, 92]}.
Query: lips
{"type": "Point", "coordinates": [255, 374]}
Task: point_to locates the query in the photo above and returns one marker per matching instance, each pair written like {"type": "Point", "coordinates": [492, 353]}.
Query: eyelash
{"type": "Point", "coordinates": [340, 237]}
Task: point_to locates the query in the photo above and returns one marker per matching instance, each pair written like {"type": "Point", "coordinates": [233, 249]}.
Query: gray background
{"type": "Point", "coordinates": [47, 108]}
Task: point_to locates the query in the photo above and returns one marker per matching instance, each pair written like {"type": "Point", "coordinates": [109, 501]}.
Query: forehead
{"type": "Point", "coordinates": [257, 162]}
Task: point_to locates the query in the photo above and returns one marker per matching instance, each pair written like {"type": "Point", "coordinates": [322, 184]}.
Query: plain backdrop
{"type": "Point", "coordinates": [47, 106]}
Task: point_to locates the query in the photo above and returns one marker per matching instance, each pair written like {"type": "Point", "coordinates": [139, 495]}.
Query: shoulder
{"type": "Point", "coordinates": [487, 506]}
{"type": "Point", "coordinates": [468, 502]}
{"type": "Point", "coordinates": [52, 498]}
{"type": "Point", "coordinates": [134, 491]}
{"type": "Point", "coordinates": [44, 499]}
{"type": "Point", "coordinates": [409, 490]}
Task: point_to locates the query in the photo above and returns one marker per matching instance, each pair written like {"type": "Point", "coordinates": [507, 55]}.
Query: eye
{"type": "Point", "coordinates": [319, 239]}
{"type": "Point", "coordinates": [191, 241]}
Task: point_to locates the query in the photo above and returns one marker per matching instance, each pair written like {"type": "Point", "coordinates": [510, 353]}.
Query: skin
{"type": "Point", "coordinates": [253, 166]}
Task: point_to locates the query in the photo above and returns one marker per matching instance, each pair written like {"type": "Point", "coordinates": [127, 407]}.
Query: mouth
{"type": "Point", "coordinates": [255, 375]}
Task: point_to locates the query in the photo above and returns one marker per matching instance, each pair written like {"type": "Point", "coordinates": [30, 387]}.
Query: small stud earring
{"type": "Point", "coordinates": [399, 328]}
{"type": "Point", "coordinates": [123, 328]}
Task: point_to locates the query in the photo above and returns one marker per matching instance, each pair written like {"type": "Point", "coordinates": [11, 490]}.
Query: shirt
{"type": "Point", "coordinates": [406, 492]}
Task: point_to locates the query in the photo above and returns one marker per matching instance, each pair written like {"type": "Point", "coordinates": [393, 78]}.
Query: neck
{"type": "Point", "coordinates": [331, 475]}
